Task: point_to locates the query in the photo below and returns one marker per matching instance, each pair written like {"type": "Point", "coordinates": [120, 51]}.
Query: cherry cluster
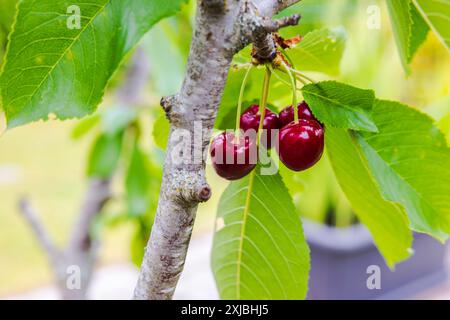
{"type": "Point", "coordinates": [300, 142]}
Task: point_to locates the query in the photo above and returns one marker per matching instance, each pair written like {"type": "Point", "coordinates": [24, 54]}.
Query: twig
{"type": "Point", "coordinates": [97, 193]}
{"type": "Point", "coordinates": [271, 7]}
{"type": "Point", "coordinates": [31, 216]}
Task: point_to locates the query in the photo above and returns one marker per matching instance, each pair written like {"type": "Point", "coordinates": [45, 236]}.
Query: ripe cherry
{"type": "Point", "coordinates": [287, 115]}
{"type": "Point", "coordinates": [233, 158]}
{"type": "Point", "coordinates": [250, 119]}
{"type": "Point", "coordinates": [301, 144]}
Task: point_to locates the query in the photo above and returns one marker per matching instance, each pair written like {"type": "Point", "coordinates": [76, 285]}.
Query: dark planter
{"type": "Point", "coordinates": [340, 258]}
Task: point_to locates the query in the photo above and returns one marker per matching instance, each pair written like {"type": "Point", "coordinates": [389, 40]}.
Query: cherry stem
{"type": "Point", "coordinates": [263, 102]}
{"type": "Point", "coordinates": [301, 80]}
{"type": "Point", "coordinates": [274, 72]}
{"type": "Point", "coordinates": [292, 66]}
{"type": "Point", "coordinates": [294, 91]}
{"type": "Point", "coordinates": [241, 96]}
{"type": "Point", "coordinates": [303, 75]}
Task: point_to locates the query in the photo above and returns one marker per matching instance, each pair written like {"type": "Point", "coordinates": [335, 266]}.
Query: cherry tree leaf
{"type": "Point", "coordinates": [386, 220]}
{"type": "Point", "coordinates": [437, 14]}
{"type": "Point", "coordinates": [137, 183]}
{"type": "Point", "coordinates": [410, 161]}
{"type": "Point", "coordinates": [160, 132]}
{"type": "Point", "coordinates": [55, 66]}
{"type": "Point", "coordinates": [339, 105]}
{"type": "Point", "coordinates": [410, 29]}
{"type": "Point", "coordinates": [320, 50]}
{"type": "Point", "coordinates": [104, 155]}
{"type": "Point", "coordinates": [318, 13]}
{"type": "Point", "coordinates": [259, 250]}
{"type": "Point", "coordinates": [7, 15]}
{"type": "Point", "coordinates": [7, 12]}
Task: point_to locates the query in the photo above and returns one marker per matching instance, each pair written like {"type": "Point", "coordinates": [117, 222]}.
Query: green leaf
{"type": "Point", "coordinates": [444, 125]}
{"type": "Point", "coordinates": [411, 162]}
{"type": "Point", "coordinates": [410, 30]}
{"type": "Point", "coordinates": [160, 132]}
{"type": "Point", "coordinates": [385, 220]}
{"type": "Point", "coordinates": [167, 59]}
{"type": "Point", "coordinates": [138, 244]}
{"type": "Point", "coordinates": [419, 31]}
{"type": "Point", "coordinates": [340, 105]}
{"type": "Point", "coordinates": [320, 50]}
{"type": "Point", "coordinates": [260, 251]}
{"type": "Point", "coordinates": [51, 69]}
{"type": "Point", "coordinates": [7, 11]}
{"type": "Point", "coordinates": [105, 155]}
{"type": "Point", "coordinates": [116, 118]}
{"type": "Point", "coordinates": [317, 14]}
{"type": "Point", "coordinates": [437, 14]}
{"type": "Point", "coordinates": [137, 183]}
{"type": "Point", "coordinates": [7, 15]}
{"type": "Point", "coordinates": [84, 126]}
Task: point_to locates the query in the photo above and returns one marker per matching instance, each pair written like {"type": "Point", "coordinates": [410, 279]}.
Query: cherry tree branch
{"type": "Point", "coordinates": [222, 28]}
{"type": "Point", "coordinates": [31, 216]}
{"type": "Point", "coordinates": [97, 193]}
{"type": "Point", "coordinates": [270, 8]}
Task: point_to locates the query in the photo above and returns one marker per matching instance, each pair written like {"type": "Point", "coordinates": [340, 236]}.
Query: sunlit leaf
{"type": "Point", "coordinates": [410, 160]}
{"type": "Point", "coordinates": [137, 183]}
{"type": "Point", "coordinates": [339, 105]}
{"type": "Point", "coordinates": [51, 68]}
{"type": "Point", "coordinates": [386, 220]}
{"type": "Point", "coordinates": [7, 11]}
{"type": "Point", "coordinates": [161, 130]}
{"type": "Point", "coordinates": [410, 30]}
{"type": "Point", "coordinates": [259, 250]}
{"type": "Point", "coordinates": [85, 126]}
{"type": "Point", "coordinates": [437, 14]}
{"type": "Point", "coordinates": [104, 156]}
{"type": "Point", "coordinates": [320, 50]}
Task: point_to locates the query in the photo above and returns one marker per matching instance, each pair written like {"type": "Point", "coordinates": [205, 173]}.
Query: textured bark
{"type": "Point", "coordinates": [82, 248]}
{"type": "Point", "coordinates": [222, 28]}
{"type": "Point", "coordinates": [268, 8]}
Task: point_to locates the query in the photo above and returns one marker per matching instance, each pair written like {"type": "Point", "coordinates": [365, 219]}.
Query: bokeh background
{"type": "Point", "coordinates": [47, 164]}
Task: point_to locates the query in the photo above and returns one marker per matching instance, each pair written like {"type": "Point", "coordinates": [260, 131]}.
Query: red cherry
{"type": "Point", "coordinates": [287, 115]}
{"type": "Point", "coordinates": [250, 119]}
{"type": "Point", "coordinates": [233, 158]}
{"type": "Point", "coordinates": [301, 144]}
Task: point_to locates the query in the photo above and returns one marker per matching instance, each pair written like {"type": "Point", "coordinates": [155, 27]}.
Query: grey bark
{"type": "Point", "coordinates": [222, 28]}
{"type": "Point", "coordinates": [81, 250]}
